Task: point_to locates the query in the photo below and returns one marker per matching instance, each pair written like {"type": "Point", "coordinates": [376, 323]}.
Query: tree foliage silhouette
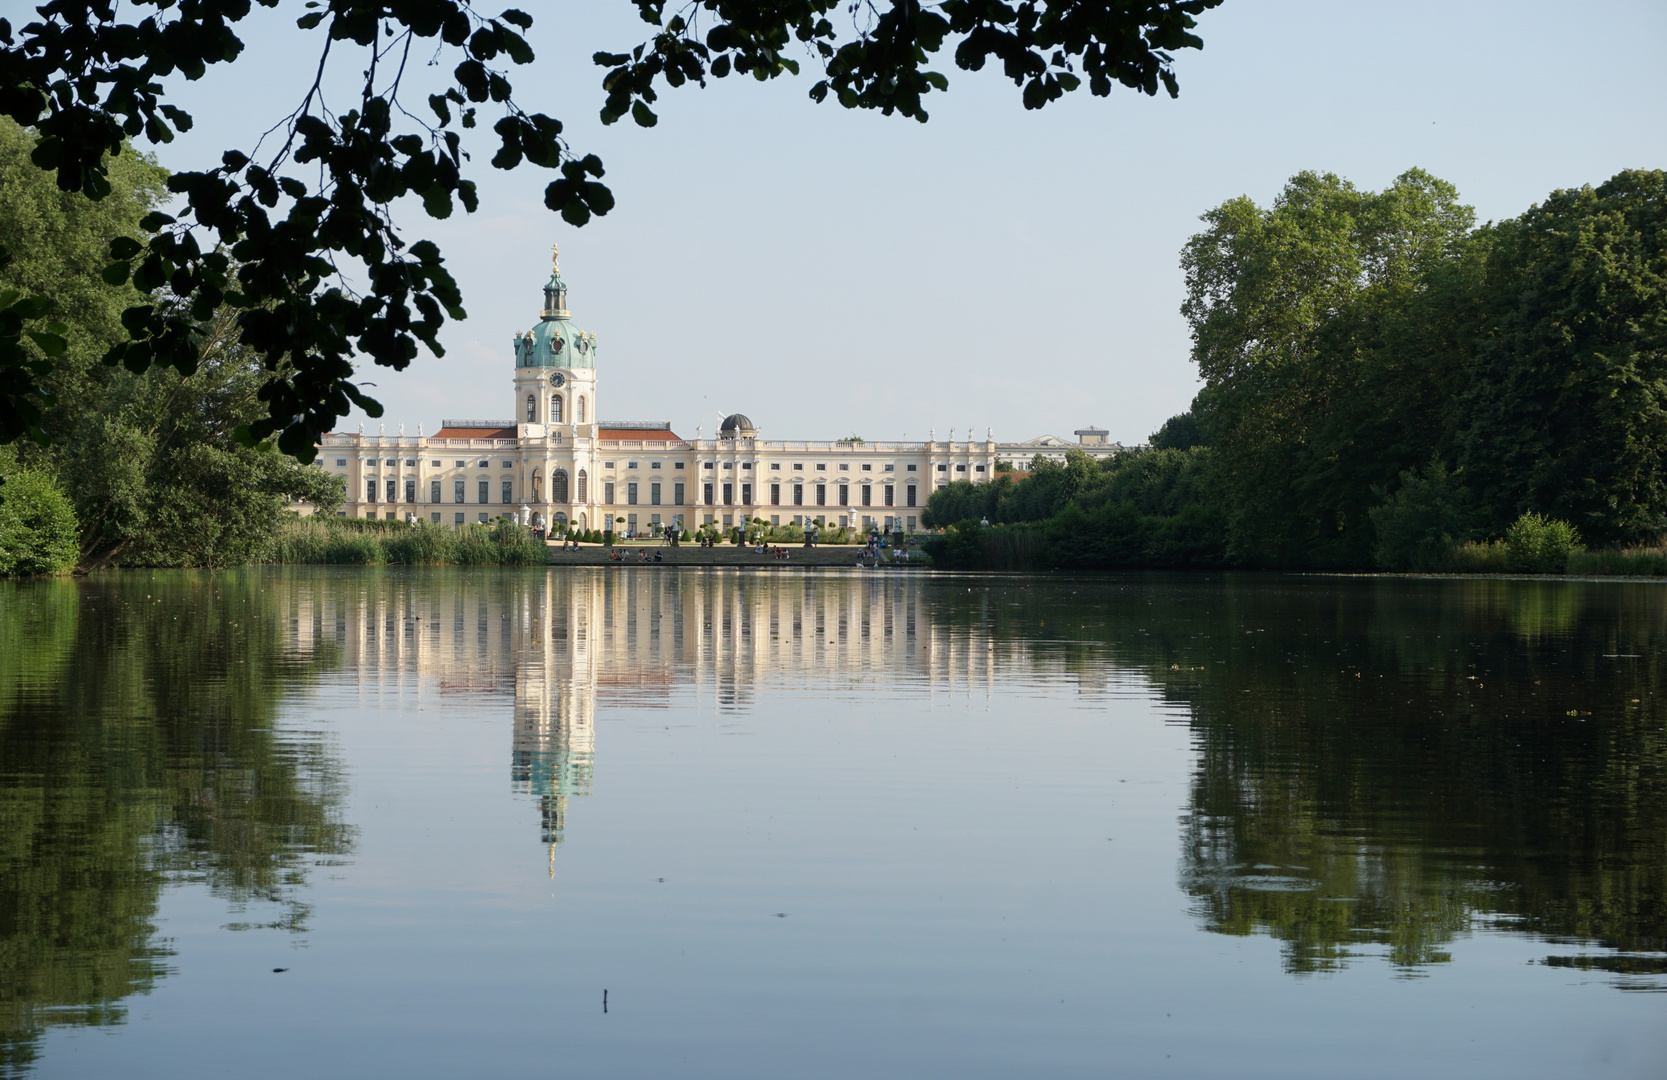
{"type": "Point", "coordinates": [278, 233]}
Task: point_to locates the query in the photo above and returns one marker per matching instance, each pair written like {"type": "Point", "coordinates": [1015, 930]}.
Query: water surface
{"type": "Point", "coordinates": [830, 825]}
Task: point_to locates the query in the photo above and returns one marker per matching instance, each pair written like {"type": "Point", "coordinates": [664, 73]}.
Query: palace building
{"type": "Point", "coordinates": [557, 463]}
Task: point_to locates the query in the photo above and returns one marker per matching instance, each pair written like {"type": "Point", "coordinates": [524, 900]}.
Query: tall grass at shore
{"type": "Point", "coordinates": [1628, 562]}
{"type": "Point", "coordinates": [1495, 558]}
{"type": "Point", "coordinates": [357, 542]}
{"type": "Point", "coordinates": [1478, 557]}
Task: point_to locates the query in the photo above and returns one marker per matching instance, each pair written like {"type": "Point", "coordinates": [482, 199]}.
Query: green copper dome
{"type": "Point", "coordinates": [555, 342]}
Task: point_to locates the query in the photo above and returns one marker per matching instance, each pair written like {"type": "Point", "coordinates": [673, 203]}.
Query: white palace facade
{"type": "Point", "coordinates": [556, 463]}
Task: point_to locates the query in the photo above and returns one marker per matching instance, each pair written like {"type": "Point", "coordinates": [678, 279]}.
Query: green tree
{"type": "Point", "coordinates": [38, 531]}
{"type": "Point", "coordinates": [1180, 432]}
{"type": "Point", "coordinates": [1540, 545]}
{"type": "Point", "coordinates": [57, 243]}
{"type": "Point", "coordinates": [1565, 407]}
{"type": "Point", "coordinates": [1287, 307]}
{"type": "Point", "coordinates": [1419, 525]}
{"type": "Point", "coordinates": [87, 74]}
{"type": "Point", "coordinates": [150, 461]}
{"type": "Point", "coordinates": [159, 479]}
{"type": "Point", "coordinates": [1153, 508]}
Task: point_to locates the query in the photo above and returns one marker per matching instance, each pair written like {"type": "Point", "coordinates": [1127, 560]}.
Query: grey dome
{"type": "Point", "coordinates": [736, 422]}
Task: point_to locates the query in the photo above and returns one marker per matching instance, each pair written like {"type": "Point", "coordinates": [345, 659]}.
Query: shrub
{"type": "Point", "coordinates": [960, 546]}
{"type": "Point", "coordinates": [1540, 545]}
{"type": "Point", "coordinates": [38, 530]}
{"type": "Point", "coordinates": [1421, 525]}
{"type": "Point", "coordinates": [517, 546]}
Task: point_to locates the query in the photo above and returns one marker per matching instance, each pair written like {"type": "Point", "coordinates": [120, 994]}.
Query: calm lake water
{"type": "Point", "coordinates": [650, 822]}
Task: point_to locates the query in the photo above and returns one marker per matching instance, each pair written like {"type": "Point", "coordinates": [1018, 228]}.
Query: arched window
{"type": "Point", "coordinates": [584, 483]}
{"type": "Point", "coordinates": [581, 409]}
{"type": "Point", "coordinates": [558, 486]}
{"type": "Point", "coordinates": [555, 409]}
{"type": "Point", "coordinates": [532, 409]}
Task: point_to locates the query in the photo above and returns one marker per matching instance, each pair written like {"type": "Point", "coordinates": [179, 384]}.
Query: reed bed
{"type": "Point", "coordinates": [354, 542]}
{"type": "Point", "coordinates": [1480, 557]}
{"type": "Point", "coordinates": [1626, 562]}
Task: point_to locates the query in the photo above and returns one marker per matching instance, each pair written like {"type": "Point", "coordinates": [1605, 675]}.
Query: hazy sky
{"type": "Point", "coordinates": [832, 272]}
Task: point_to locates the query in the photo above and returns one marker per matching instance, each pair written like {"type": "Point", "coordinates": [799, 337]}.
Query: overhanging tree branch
{"type": "Point", "coordinates": [85, 80]}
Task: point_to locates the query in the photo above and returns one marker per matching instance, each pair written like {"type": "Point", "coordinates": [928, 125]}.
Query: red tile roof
{"type": "Point", "coordinates": [651, 434]}
{"type": "Point", "coordinates": [474, 433]}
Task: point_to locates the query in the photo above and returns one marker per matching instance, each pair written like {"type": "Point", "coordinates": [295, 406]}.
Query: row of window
{"type": "Point", "coordinates": [558, 489]}
{"type": "Point", "coordinates": [798, 466]}
{"type": "Point", "coordinates": [457, 519]}
{"type": "Point", "coordinates": [865, 493]}
{"type": "Point", "coordinates": [391, 487]}
{"type": "Point", "coordinates": [555, 409]}
{"type": "Point", "coordinates": [677, 520]}
{"type": "Point", "coordinates": [411, 463]}
{"type": "Point", "coordinates": [805, 520]}
{"type": "Point", "coordinates": [709, 492]}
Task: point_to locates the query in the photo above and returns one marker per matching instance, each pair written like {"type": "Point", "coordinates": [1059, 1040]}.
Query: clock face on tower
{"type": "Point", "coordinates": [556, 378]}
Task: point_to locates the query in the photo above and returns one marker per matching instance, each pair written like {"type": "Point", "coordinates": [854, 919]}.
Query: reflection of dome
{"type": "Point", "coordinates": [736, 424]}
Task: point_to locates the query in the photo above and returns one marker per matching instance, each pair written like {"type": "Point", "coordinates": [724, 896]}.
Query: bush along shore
{"type": "Point", "coordinates": [1121, 535]}
{"type": "Point", "coordinates": [352, 541]}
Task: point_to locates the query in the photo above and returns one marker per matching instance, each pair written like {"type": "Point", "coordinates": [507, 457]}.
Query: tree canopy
{"type": "Point", "coordinates": [1384, 384]}
{"type": "Point", "coordinates": [277, 232]}
{"type": "Point", "coordinates": [148, 460]}
{"type": "Point", "coordinates": [1354, 344]}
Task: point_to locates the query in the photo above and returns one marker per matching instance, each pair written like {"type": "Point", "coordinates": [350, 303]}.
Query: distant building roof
{"type": "Point", "coordinates": [450, 432]}
{"type": "Point", "coordinates": [651, 430]}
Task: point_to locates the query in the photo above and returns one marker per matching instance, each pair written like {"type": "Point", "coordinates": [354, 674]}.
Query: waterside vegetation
{"type": "Point", "coordinates": [420, 543]}
{"type": "Point", "coordinates": [1386, 386]}
{"type": "Point", "coordinates": [149, 463]}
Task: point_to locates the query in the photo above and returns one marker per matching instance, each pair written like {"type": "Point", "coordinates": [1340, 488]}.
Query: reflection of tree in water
{"type": "Point", "coordinates": [137, 748]}
{"type": "Point", "coordinates": [1388, 764]}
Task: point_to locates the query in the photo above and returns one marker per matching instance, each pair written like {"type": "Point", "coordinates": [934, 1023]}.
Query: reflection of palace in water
{"type": "Point", "coordinates": [561, 642]}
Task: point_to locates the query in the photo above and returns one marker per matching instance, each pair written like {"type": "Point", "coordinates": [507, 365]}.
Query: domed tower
{"type": "Point", "coordinates": [555, 364]}
{"type": "Point", "coordinates": [737, 426]}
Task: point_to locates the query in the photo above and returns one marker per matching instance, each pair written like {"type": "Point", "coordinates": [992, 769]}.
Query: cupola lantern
{"type": "Point", "coordinates": [555, 291]}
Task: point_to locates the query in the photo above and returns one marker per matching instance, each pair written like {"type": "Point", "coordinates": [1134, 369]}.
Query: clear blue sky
{"type": "Point", "coordinates": [830, 272]}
